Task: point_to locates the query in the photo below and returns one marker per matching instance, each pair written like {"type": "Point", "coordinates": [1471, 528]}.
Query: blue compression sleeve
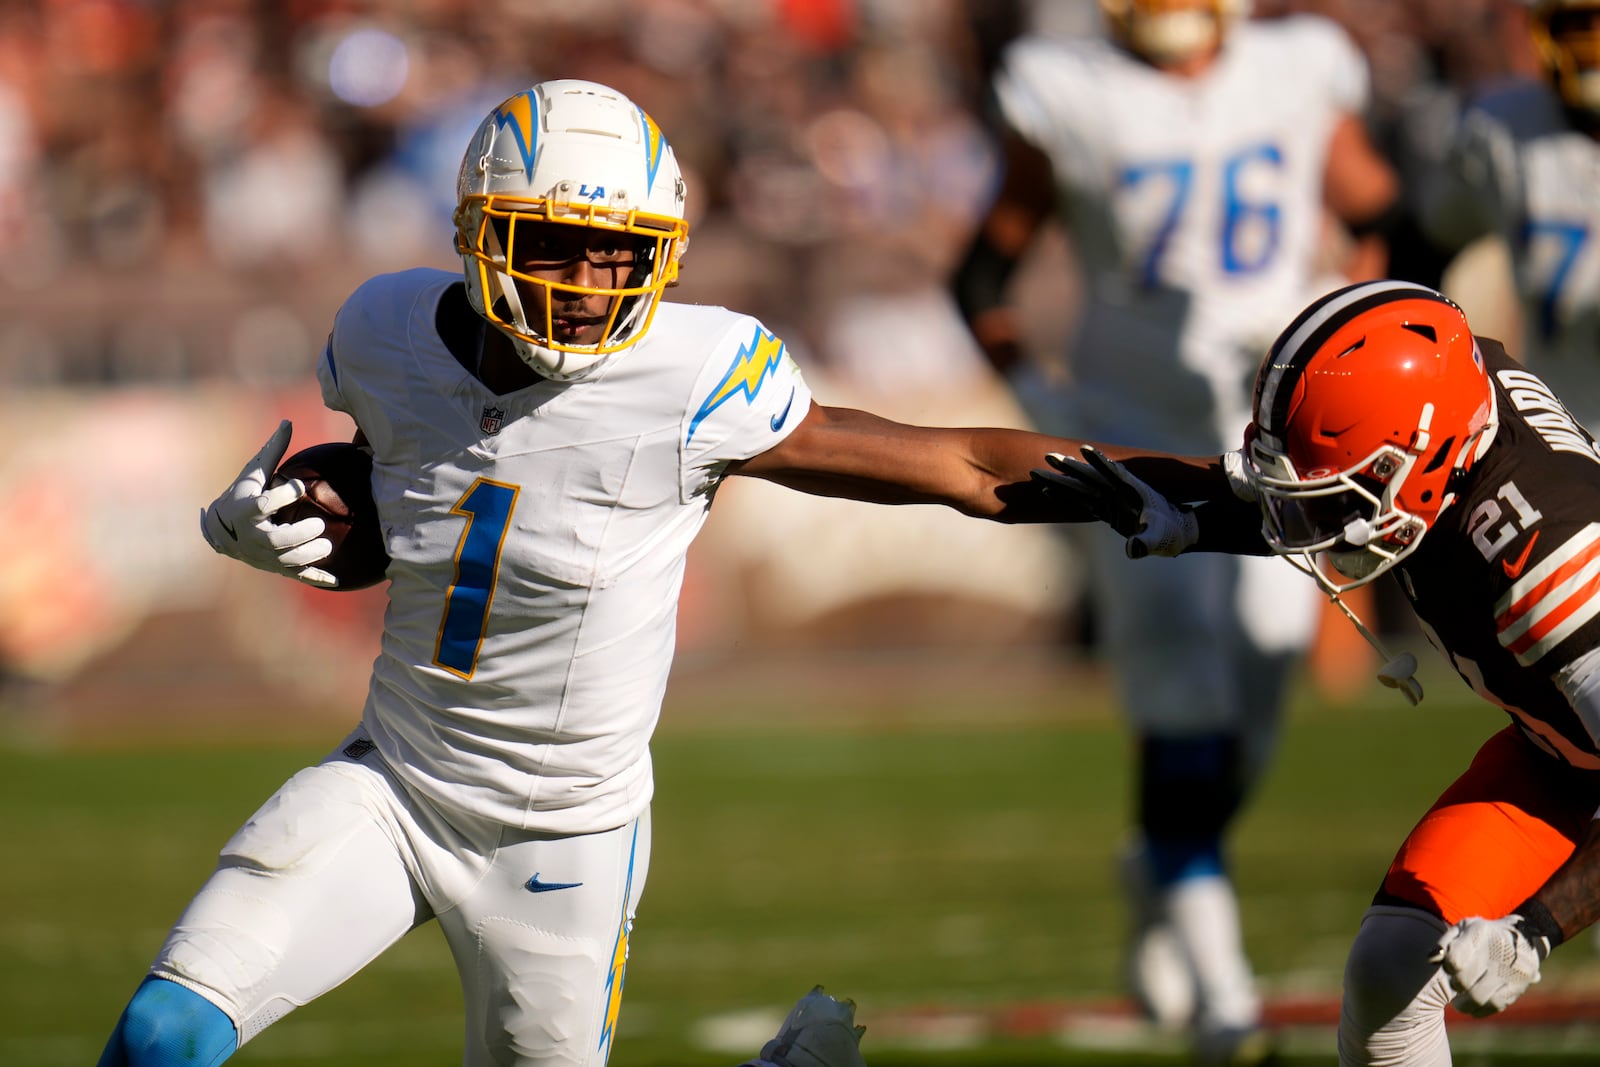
{"type": "Point", "coordinates": [168, 1025]}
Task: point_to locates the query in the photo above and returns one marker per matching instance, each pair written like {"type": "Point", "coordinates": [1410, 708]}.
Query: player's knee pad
{"type": "Point", "coordinates": [1190, 788]}
{"type": "Point", "coordinates": [169, 1025]}
{"type": "Point", "coordinates": [1394, 999]}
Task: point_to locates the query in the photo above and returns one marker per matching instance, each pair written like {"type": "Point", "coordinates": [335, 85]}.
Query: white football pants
{"type": "Point", "coordinates": [343, 861]}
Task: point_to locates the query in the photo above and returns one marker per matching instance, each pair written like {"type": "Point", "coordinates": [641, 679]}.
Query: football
{"type": "Point", "coordinates": [338, 481]}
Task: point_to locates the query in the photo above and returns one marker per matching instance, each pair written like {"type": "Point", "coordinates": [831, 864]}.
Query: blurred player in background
{"type": "Point", "coordinates": [547, 438]}
{"type": "Point", "coordinates": [1386, 437]}
{"type": "Point", "coordinates": [1526, 168]}
{"type": "Point", "coordinates": [1192, 155]}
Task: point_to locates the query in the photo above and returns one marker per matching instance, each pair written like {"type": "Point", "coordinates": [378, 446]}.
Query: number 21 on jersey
{"type": "Point", "coordinates": [1489, 534]}
{"type": "Point", "coordinates": [487, 506]}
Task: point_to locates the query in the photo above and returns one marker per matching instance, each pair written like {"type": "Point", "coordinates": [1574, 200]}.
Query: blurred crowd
{"type": "Point", "coordinates": [189, 187]}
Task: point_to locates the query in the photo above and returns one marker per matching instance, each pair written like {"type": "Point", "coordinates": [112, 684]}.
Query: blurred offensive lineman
{"type": "Point", "coordinates": [547, 438]}
{"type": "Point", "coordinates": [1192, 157]}
{"type": "Point", "coordinates": [1386, 437]}
{"type": "Point", "coordinates": [1526, 168]}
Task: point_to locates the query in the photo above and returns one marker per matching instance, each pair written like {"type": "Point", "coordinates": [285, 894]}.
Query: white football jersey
{"type": "Point", "coordinates": [538, 541]}
{"type": "Point", "coordinates": [1195, 208]}
{"type": "Point", "coordinates": [1520, 171]}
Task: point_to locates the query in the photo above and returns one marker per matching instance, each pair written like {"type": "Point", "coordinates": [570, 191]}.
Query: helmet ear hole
{"type": "Point", "coordinates": [1441, 456]}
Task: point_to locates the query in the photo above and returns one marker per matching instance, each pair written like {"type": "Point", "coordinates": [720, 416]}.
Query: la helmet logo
{"type": "Point", "coordinates": [591, 195]}
{"type": "Point", "coordinates": [492, 419]}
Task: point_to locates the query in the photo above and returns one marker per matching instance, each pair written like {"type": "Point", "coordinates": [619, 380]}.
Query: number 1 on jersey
{"type": "Point", "coordinates": [487, 507]}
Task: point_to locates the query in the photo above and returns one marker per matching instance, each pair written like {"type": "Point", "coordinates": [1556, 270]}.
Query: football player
{"type": "Point", "coordinates": [1386, 438]}
{"type": "Point", "coordinates": [547, 437]}
{"type": "Point", "coordinates": [1526, 168]}
{"type": "Point", "coordinates": [1192, 155]}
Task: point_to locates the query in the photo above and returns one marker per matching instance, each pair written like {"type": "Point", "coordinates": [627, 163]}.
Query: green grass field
{"type": "Point", "coordinates": [958, 866]}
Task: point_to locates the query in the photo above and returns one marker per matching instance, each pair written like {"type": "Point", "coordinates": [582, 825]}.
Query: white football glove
{"type": "Point", "coordinates": [1490, 962]}
{"type": "Point", "coordinates": [238, 523]}
{"type": "Point", "coordinates": [819, 1032]}
{"type": "Point", "coordinates": [1153, 525]}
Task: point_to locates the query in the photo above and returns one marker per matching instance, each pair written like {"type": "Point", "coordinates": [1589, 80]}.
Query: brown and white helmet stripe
{"type": "Point", "coordinates": [1304, 338]}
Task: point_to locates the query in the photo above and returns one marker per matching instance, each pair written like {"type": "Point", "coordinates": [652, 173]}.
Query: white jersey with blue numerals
{"type": "Point", "coordinates": [538, 541]}
{"type": "Point", "coordinates": [1195, 209]}
{"type": "Point", "coordinates": [1520, 170]}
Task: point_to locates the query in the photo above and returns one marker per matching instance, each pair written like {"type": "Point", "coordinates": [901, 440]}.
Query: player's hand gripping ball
{"type": "Point", "coordinates": [338, 480]}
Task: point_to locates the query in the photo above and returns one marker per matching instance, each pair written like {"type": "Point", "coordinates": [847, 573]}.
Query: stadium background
{"type": "Point", "coordinates": [189, 188]}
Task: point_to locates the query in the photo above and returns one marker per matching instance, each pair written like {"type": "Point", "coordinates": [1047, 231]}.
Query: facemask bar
{"type": "Point", "coordinates": [1303, 518]}
{"type": "Point", "coordinates": [633, 306]}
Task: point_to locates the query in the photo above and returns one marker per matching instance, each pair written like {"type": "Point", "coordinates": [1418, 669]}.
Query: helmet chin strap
{"type": "Point", "coordinates": [1397, 672]}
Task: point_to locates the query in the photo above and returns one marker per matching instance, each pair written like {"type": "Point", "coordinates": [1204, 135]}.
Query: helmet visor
{"type": "Point", "coordinates": [1317, 520]}
{"type": "Point", "coordinates": [1323, 510]}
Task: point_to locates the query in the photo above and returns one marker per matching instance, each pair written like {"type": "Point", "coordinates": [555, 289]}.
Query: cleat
{"type": "Point", "coordinates": [1236, 1047]}
{"type": "Point", "coordinates": [820, 1031]}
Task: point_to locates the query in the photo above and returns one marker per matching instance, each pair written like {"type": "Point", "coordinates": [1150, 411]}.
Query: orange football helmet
{"type": "Point", "coordinates": [1366, 409]}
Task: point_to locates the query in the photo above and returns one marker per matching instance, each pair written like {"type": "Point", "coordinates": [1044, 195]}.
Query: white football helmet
{"type": "Point", "coordinates": [570, 153]}
{"type": "Point", "coordinates": [1567, 36]}
{"type": "Point", "coordinates": [1167, 31]}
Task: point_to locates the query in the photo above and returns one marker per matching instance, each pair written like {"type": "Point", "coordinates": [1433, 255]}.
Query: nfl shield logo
{"type": "Point", "coordinates": [489, 422]}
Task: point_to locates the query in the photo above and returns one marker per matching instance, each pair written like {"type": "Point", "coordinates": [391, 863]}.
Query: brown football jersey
{"type": "Point", "coordinates": [1507, 582]}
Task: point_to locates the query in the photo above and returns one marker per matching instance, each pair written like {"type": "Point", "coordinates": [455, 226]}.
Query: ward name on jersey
{"type": "Point", "coordinates": [1195, 210]}
{"type": "Point", "coordinates": [1508, 585]}
{"type": "Point", "coordinates": [538, 541]}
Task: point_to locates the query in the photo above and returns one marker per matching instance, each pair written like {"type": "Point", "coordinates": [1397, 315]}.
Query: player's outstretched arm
{"type": "Point", "coordinates": [983, 472]}
{"type": "Point", "coordinates": [238, 524]}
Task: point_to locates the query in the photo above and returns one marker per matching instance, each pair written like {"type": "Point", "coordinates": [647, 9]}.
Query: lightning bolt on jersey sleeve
{"type": "Point", "coordinates": [749, 396]}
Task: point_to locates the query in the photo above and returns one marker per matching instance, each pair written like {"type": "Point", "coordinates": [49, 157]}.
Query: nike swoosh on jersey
{"type": "Point", "coordinates": [783, 416]}
{"type": "Point", "coordinates": [533, 885]}
{"type": "Point", "coordinates": [1514, 570]}
{"type": "Point", "coordinates": [1553, 599]}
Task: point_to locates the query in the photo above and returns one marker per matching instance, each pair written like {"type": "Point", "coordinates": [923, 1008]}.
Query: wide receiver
{"type": "Point", "coordinates": [1386, 438]}
{"type": "Point", "coordinates": [547, 439]}
{"type": "Point", "coordinates": [1194, 156]}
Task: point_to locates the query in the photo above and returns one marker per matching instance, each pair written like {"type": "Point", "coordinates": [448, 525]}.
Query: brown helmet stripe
{"type": "Point", "coordinates": [1306, 335]}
